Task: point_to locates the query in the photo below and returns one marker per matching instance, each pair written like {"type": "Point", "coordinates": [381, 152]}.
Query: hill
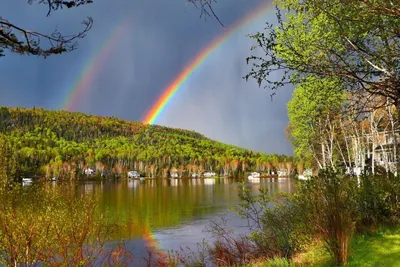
{"type": "Point", "coordinates": [46, 143]}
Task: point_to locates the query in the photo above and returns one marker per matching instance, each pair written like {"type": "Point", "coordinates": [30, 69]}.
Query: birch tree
{"type": "Point", "coordinates": [311, 112]}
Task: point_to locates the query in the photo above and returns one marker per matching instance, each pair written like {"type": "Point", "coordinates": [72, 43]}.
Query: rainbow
{"type": "Point", "coordinates": [94, 64]}
{"type": "Point", "coordinates": [155, 111]}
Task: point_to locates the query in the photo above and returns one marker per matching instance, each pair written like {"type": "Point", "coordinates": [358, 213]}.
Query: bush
{"type": "Point", "coordinates": [275, 224]}
{"type": "Point", "coordinates": [275, 230]}
{"type": "Point", "coordinates": [53, 226]}
{"type": "Point", "coordinates": [330, 208]}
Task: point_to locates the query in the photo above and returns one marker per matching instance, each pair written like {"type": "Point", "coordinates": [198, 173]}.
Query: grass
{"type": "Point", "coordinates": [380, 249]}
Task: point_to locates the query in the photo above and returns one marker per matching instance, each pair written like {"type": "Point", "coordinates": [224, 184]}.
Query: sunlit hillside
{"type": "Point", "coordinates": [61, 143]}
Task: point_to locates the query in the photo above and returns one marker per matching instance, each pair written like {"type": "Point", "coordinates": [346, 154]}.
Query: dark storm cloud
{"type": "Point", "coordinates": [163, 38]}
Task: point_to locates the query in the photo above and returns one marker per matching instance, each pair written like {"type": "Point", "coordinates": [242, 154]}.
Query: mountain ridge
{"type": "Point", "coordinates": [57, 142]}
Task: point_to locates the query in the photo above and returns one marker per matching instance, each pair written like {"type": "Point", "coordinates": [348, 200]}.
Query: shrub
{"type": "Point", "coordinates": [275, 224]}
{"type": "Point", "coordinates": [52, 226]}
{"type": "Point", "coordinates": [330, 208]}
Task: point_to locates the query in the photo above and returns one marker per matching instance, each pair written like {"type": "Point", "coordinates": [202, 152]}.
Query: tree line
{"type": "Point", "coordinates": [63, 144]}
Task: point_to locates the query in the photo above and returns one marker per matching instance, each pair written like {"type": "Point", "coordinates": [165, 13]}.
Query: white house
{"type": "Point", "coordinates": [89, 171]}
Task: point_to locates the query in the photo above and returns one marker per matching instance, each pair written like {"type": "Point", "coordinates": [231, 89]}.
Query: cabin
{"type": "Point", "coordinates": [89, 171]}
{"type": "Point", "coordinates": [133, 174]}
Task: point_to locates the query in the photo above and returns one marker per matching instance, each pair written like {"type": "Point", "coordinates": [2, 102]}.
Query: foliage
{"type": "Point", "coordinates": [330, 206]}
{"type": "Point", "coordinates": [274, 230]}
{"type": "Point", "coordinates": [229, 248]}
{"type": "Point", "coordinates": [314, 103]}
{"type": "Point", "coordinates": [355, 42]}
{"type": "Point", "coordinates": [53, 226]}
{"type": "Point", "coordinates": [19, 40]}
{"type": "Point", "coordinates": [275, 223]}
{"type": "Point", "coordinates": [379, 201]}
{"type": "Point", "coordinates": [65, 143]}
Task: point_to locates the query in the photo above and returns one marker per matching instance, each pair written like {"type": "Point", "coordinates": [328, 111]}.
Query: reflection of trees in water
{"type": "Point", "coordinates": [143, 206]}
{"type": "Point", "coordinates": [52, 225]}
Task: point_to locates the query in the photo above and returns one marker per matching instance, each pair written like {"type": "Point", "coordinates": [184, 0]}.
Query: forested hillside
{"type": "Point", "coordinates": [61, 143]}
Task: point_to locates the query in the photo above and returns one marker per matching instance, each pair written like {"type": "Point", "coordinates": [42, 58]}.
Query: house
{"type": "Point", "coordinates": [89, 171]}
{"type": "Point", "coordinates": [374, 150]}
{"type": "Point", "coordinates": [133, 174]}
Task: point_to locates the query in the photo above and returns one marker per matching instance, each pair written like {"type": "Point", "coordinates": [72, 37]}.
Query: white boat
{"type": "Point", "coordinates": [53, 179]}
{"type": "Point", "coordinates": [302, 177]}
{"type": "Point", "coordinates": [282, 174]}
{"type": "Point", "coordinates": [133, 174]}
{"type": "Point", "coordinates": [27, 180]}
{"type": "Point", "coordinates": [306, 175]}
{"type": "Point", "coordinates": [209, 174]}
{"type": "Point", "coordinates": [254, 175]}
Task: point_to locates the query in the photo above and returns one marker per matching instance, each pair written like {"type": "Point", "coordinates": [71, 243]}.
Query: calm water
{"type": "Point", "coordinates": [167, 214]}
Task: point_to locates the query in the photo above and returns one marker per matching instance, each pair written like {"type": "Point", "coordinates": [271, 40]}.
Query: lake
{"type": "Point", "coordinates": [167, 214]}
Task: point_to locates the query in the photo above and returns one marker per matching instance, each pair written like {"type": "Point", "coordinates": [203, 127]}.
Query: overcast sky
{"type": "Point", "coordinates": [161, 38]}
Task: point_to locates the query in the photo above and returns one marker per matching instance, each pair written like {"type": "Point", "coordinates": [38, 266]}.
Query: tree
{"type": "Point", "coordinates": [313, 107]}
{"type": "Point", "coordinates": [356, 42]}
{"type": "Point", "coordinates": [19, 40]}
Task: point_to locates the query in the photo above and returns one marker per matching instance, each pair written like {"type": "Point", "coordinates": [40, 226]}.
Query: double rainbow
{"type": "Point", "coordinates": [159, 106]}
{"type": "Point", "coordinates": [94, 64]}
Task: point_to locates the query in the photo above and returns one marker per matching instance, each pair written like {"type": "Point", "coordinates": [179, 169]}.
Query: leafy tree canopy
{"type": "Point", "coordinates": [356, 42]}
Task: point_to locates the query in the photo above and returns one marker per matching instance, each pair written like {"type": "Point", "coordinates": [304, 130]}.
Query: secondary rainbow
{"type": "Point", "coordinates": [94, 64]}
{"type": "Point", "coordinates": [156, 110]}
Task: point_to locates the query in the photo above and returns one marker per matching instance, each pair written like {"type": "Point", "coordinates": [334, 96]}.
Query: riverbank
{"type": "Point", "coordinates": [380, 249]}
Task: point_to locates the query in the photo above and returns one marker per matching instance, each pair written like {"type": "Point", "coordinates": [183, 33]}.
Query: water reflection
{"type": "Point", "coordinates": [171, 209]}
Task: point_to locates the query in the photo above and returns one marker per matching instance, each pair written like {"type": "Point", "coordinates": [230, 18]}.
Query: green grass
{"type": "Point", "coordinates": [381, 249]}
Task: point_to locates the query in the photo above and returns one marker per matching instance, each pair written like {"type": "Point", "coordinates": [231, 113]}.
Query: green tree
{"type": "Point", "coordinates": [356, 42]}
{"type": "Point", "coordinates": [314, 104]}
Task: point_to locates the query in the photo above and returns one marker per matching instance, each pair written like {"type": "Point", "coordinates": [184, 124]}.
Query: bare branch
{"type": "Point", "coordinates": [206, 8]}
{"type": "Point", "coordinates": [19, 40]}
{"type": "Point", "coordinates": [59, 4]}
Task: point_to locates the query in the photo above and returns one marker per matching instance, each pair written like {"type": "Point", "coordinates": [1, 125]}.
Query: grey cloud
{"type": "Point", "coordinates": [163, 38]}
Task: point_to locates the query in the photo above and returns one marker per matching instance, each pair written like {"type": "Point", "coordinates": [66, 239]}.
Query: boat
{"type": "Point", "coordinates": [53, 179]}
{"type": "Point", "coordinates": [254, 175]}
{"type": "Point", "coordinates": [209, 174]}
{"type": "Point", "coordinates": [27, 180]}
{"type": "Point", "coordinates": [133, 174]}
{"type": "Point", "coordinates": [282, 174]}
